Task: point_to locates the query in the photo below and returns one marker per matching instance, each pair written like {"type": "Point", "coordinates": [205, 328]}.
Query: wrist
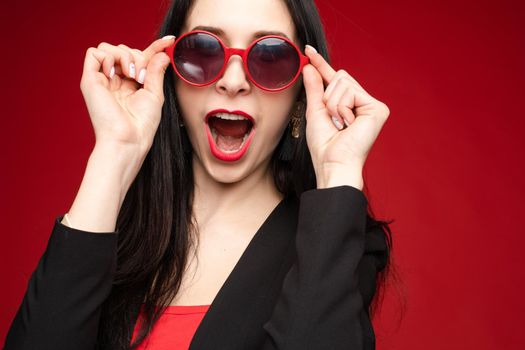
{"type": "Point", "coordinates": [118, 165]}
{"type": "Point", "coordinates": [126, 153]}
{"type": "Point", "coordinates": [118, 159]}
{"type": "Point", "coordinates": [340, 176]}
{"type": "Point", "coordinates": [110, 171]}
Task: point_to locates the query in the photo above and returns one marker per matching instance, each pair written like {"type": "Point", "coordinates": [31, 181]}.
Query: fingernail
{"type": "Point", "coordinates": [346, 122]}
{"type": "Point", "coordinates": [112, 72]}
{"type": "Point", "coordinates": [337, 123]}
{"type": "Point", "coordinates": [142, 76]}
{"type": "Point", "coordinates": [310, 48]}
{"type": "Point", "coordinates": [132, 70]}
{"type": "Point", "coordinates": [168, 37]}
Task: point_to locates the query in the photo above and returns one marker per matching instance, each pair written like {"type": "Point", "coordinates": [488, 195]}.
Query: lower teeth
{"type": "Point", "coordinates": [216, 139]}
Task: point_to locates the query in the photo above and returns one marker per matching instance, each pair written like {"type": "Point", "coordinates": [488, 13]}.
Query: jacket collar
{"type": "Point", "coordinates": [245, 301]}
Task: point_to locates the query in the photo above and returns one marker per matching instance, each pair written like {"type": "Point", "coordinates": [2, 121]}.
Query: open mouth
{"type": "Point", "coordinates": [229, 133]}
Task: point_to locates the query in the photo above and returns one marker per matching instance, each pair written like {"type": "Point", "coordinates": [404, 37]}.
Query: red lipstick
{"type": "Point", "coordinates": [218, 152]}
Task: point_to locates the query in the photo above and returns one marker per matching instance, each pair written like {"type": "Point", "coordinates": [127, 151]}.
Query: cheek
{"type": "Point", "coordinates": [283, 105]}
{"type": "Point", "coordinates": [277, 117]}
{"type": "Point", "coordinates": [183, 97]}
{"type": "Point", "coordinates": [188, 98]}
{"type": "Point", "coordinates": [283, 109]}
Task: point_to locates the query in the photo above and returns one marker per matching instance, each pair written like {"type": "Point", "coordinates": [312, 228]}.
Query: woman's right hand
{"type": "Point", "coordinates": [123, 91]}
{"type": "Point", "coordinates": [125, 110]}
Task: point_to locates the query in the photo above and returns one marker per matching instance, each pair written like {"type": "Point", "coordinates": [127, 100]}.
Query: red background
{"type": "Point", "coordinates": [446, 166]}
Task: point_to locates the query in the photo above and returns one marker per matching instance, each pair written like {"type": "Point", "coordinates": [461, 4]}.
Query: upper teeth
{"type": "Point", "coordinates": [229, 116]}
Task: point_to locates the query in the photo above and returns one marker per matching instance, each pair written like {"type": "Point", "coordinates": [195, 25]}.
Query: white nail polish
{"type": "Point", "coordinates": [112, 72]}
{"type": "Point", "coordinates": [337, 123]}
{"type": "Point", "coordinates": [311, 48]}
{"type": "Point", "coordinates": [142, 76]}
{"type": "Point", "coordinates": [346, 122]}
{"type": "Point", "coordinates": [168, 37]}
{"type": "Point", "coordinates": [132, 70]}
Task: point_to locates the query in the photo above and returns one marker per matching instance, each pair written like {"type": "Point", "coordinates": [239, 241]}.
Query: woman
{"type": "Point", "coordinates": [235, 189]}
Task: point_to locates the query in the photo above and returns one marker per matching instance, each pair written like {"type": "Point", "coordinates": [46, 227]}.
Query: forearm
{"type": "Point", "coordinates": [62, 303]}
{"type": "Point", "coordinates": [320, 306]}
{"type": "Point", "coordinates": [109, 173]}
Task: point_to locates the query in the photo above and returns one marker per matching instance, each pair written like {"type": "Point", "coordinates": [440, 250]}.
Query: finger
{"type": "Point", "coordinates": [96, 61]}
{"type": "Point", "coordinates": [318, 61]}
{"type": "Point", "coordinates": [344, 109]}
{"type": "Point", "coordinates": [327, 72]}
{"type": "Point", "coordinates": [129, 49]}
{"type": "Point", "coordinates": [340, 87]}
{"type": "Point", "coordinates": [140, 62]}
{"type": "Point", "coordinates": [154, 79]}
{"type": "Point", "coordinates": [122, 58]}
{"type": "Point", "coordinates": [343, 76]}
{"type": "Point", "coordinates": [313, 85]}
{"type": "Point", "coordinates": [158, 45]}
{"type": "Point", "coordinates": [142, 58]}
{"type": "Point", "coordinates": [330, 88]}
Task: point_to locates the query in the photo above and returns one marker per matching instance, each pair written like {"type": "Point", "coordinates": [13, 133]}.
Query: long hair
{"type": "Point", "coordinates": [155, 222]}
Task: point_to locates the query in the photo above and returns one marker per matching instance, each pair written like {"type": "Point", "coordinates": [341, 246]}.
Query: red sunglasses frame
{"type": "Point", "coordinates": [229, 51]}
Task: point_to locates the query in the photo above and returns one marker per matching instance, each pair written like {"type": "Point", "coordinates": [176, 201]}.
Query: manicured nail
{"type": "Point", "coordinates": [112, 72]}
{"type": "Point", "coordinates": [337, 123]}
{"type": "Point", "coordinates": [310, 48]}
{"type": "Point", "coordinates": [346, 122]}
{"type": "Point", "coordinates": [142, 75]}
{"type": "Point", "coordinates": [132, 70]}
{"type": "Point", "coordinates": [168, 37]}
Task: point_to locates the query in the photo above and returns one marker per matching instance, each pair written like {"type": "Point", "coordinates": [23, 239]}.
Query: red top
{"type": "Point", "coordinates": [174, 329]}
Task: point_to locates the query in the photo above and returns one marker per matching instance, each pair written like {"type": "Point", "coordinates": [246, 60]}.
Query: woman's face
{"type": "Point", "coordinates": [237, 23]}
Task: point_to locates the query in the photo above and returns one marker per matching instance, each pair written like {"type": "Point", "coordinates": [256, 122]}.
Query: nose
{"type": "Point", "coordinates": [234, 80]}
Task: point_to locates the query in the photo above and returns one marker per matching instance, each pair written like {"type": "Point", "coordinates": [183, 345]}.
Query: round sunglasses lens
{"type": "Point", "coordinates": [198, 58]}
{"type": "Point", "coordinates": [273, 63]}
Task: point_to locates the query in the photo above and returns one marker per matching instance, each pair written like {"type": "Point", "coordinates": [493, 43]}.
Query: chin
{"type": "Point", "coordinates": [227, 173]}
{"type": "Point", "coordinates": [227, 177]}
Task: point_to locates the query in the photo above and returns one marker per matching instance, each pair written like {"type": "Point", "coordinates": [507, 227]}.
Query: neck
{"type": "Point", "coordinates": [253, 196]}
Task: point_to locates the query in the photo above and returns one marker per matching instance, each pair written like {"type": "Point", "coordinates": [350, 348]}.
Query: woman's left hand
{"type": "Point", "coordinates": [343, 123]}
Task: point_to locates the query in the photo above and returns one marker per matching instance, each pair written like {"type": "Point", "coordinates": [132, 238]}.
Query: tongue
{"type": "Point", "coordinates": [229, 132]}
{"type": "Point", "coordinates": [228, 143]}
{"type": "Point", "coordinates": [234, 128]}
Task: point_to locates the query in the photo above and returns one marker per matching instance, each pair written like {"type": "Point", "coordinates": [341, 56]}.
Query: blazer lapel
{"type": "Point", "coordinates": [246, 299]}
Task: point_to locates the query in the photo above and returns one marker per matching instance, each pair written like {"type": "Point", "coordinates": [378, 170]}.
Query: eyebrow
{"type": "Point", "coordinates": [258, 34]}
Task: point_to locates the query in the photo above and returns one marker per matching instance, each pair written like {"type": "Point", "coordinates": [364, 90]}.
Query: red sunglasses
{"type": "Point", "coordinates": [271, 62]}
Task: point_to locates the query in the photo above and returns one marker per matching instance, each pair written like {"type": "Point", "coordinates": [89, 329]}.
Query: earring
{"type": "Point", "coordinates": [289, 138]}
{"type": "Point", "coordinates": [295, 120]}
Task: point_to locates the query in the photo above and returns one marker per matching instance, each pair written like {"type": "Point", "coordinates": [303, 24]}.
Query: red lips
{"type": "Point", "coordinates": [229, 134]}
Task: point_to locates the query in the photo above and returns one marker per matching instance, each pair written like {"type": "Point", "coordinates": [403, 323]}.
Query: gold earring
{"type": "Point", "coordinates": [295, 121]}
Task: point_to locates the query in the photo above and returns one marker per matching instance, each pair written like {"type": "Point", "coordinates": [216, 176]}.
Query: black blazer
{"type": "Point", "coordinates": [305, 281]}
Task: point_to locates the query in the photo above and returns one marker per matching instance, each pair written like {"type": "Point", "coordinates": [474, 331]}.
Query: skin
{"type": "Point", "coordinates": [125, 109]}
{"type": "Point", "coordinates": [224, 189]}
{"type": "Point", "coordinates": [233, 90]}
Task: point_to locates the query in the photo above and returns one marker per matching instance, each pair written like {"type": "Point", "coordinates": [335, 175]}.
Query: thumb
{"type": "Point", "coordinates": [313, 85]}
{"type": "Point", "coordinates": [155, 74]}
